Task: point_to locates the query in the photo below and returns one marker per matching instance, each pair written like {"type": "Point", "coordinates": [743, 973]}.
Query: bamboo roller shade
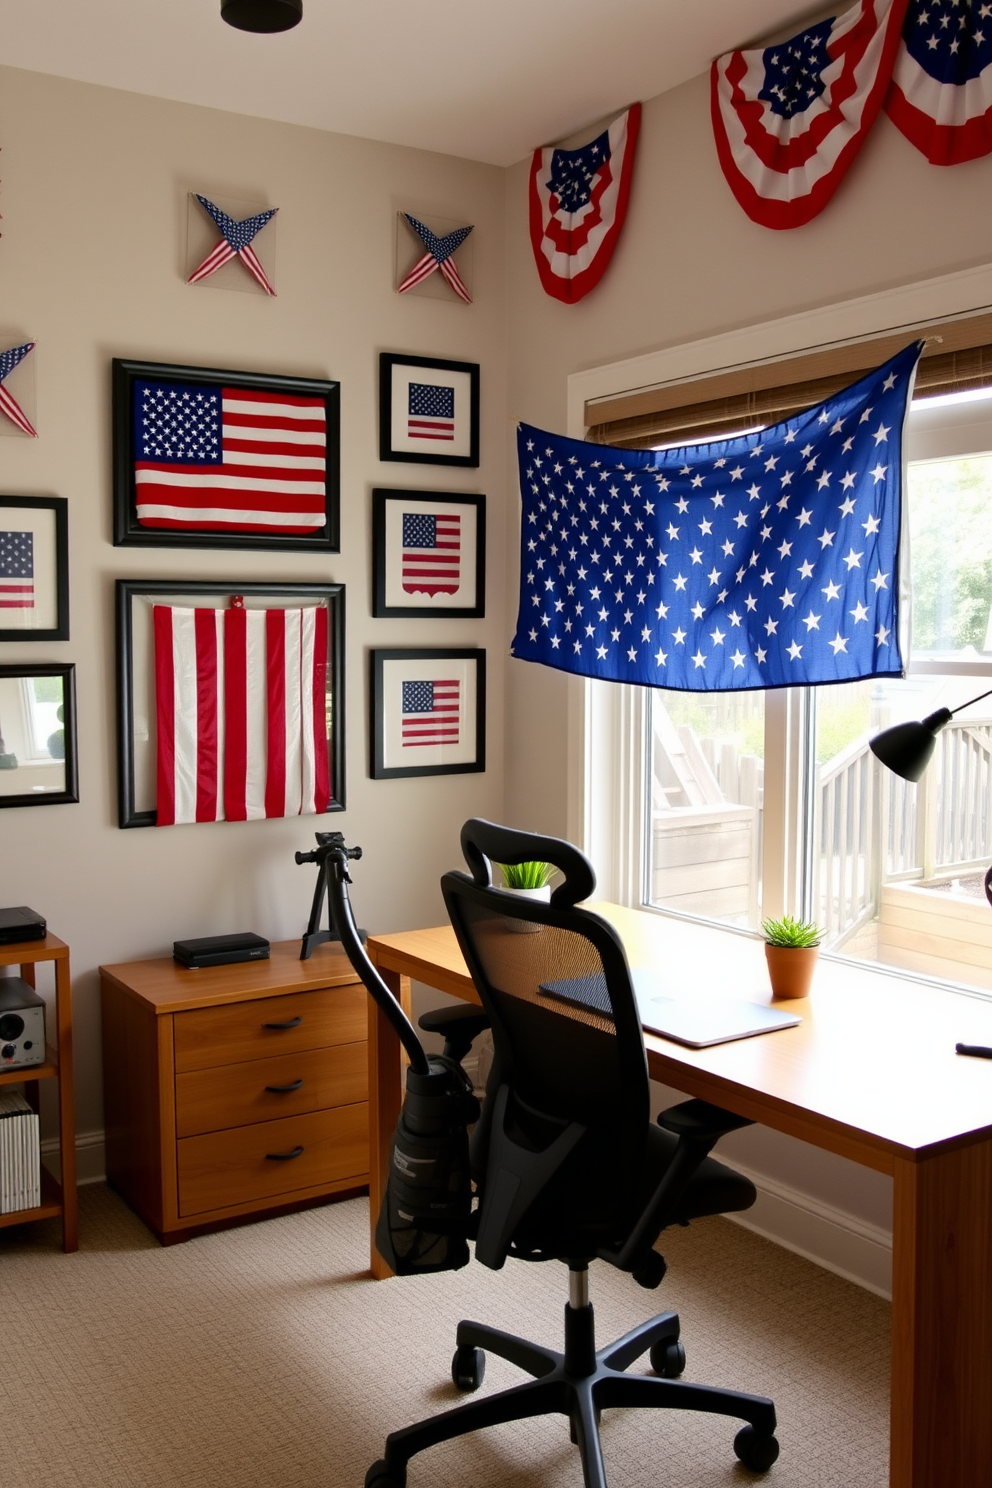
{"type": "Point", "coordinates": [763, 394]}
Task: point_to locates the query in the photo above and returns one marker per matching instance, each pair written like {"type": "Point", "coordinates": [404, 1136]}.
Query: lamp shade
{"type": "Point", "coordinates": [906, 748]}
{"type": "Point", "coordinates": [262, 15]}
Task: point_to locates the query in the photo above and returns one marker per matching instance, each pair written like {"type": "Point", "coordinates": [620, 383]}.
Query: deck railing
{"type": "Point", "coordinates": [870, 827]}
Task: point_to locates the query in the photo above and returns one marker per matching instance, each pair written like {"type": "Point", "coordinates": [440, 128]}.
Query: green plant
{"type": "Point", "coordinates": [527, 875]}
{"type": "Point", "coordinates": [790, 932]}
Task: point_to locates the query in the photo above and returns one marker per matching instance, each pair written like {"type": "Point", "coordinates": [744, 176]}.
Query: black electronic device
{"type": "Point", "coordinates": [21, 923]}
{"type": "Point", "coordinates": [220, 950]}
{"type": "Point", "coordinates": [22, 1025]}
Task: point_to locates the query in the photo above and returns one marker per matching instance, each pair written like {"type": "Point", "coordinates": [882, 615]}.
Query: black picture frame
{"type": "Point", "coordinates": [135, 686]}
{"type": "Point", "coordinates": [396, 443]}
{"type": "Point", "coordinates": [400, 587]}
{"type": "Point", "coordinates": [390, 669]}
{"type": "Point", "coordinates": [129, 531]}
{"type": "Point", "coordinates": [46, 518]}
{"type": "Point", "coordinates": [20, 732]}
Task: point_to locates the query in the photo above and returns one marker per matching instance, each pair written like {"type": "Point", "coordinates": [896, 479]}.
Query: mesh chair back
{"type": "Point", "coordinates": [568, 1045]}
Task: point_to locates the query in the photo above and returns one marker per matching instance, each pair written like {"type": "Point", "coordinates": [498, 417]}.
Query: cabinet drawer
{"type": "Point", "coordinates": [240, 1094]}
{"type": "Point", "coordinates": [232, 1167]}
{"type": "Point", "coordinates": [270, 1025]}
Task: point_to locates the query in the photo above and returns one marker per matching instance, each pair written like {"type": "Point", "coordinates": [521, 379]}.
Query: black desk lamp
{"type": "Point", "coordinates": [906, 749]}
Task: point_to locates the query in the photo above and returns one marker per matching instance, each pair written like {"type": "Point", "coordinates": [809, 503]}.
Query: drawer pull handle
{"type": "Point", "coordinates": [284, 1089]}
{"type": "Point", "coordinates": [290, 1023]}
{"type": "Point", "coordinates": [284, 1156]}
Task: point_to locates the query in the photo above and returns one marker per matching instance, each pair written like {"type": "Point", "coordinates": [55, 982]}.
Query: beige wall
{"type": "Point", "coordinates": [94, 185]}
{"type": "Point", "coordinates": [691, 265]}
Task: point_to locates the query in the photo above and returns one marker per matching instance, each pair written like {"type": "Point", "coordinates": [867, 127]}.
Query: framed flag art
{"type": "Point", "coordinates": [34, 568]}
{"type": "Point", "coordinates": [230, 701]}
{"type": "Point", "coordinates": [212, 459]}
{"type": "Point", "coordinates": [429, 554]}
{"type": "Point", "coordinates": [428, 712]}
{"type": "Point", "coordinates": [428, 410]}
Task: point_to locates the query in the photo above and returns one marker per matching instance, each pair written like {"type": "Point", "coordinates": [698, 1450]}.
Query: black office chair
{"type": "Point", "coordinates": [567, 1164]}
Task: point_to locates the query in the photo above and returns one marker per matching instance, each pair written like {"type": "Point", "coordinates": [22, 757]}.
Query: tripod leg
{"type": "Point", "coordinates": [314, 936]}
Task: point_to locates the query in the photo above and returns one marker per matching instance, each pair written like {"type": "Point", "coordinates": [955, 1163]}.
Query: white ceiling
{"type": "Point", "coordinates": [487, 81]}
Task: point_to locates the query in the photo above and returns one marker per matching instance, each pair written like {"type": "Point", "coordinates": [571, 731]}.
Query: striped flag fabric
{"type": "Point", "coordinates": [235, 243]}
{"type": "Point", "coordinates": [228, 459]}
{"type": "Point", "coordinates": [438, 256]}
{"type": "Point", "coordinates": [8, 404]}
{"type": "Point", "coordinates": [431, 713]}
{"type": "Point", "coordinates": [430, 411]}
{"type": "Point", "coordinates": [789, 119]}
{"type": "Point", "coordinates": [16, 570]}
{"type": "Point", "coordinates": [431, 553]}
{"type": "Point", "coordinates": [241, 730]}
{"type": "Point", "coordinates": [941, 93]}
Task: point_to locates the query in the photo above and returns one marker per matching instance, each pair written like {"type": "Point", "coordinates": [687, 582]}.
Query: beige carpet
{"type": "Point", "coordinates": [265, 1357]}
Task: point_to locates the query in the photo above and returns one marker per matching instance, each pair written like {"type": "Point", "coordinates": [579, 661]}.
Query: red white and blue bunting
{"type": "Point", "coordinates": [941, 94]}
{"type": "Point", "coordinates": [789, 119]}
{"type": "Point", "coordinates": [578, 202]}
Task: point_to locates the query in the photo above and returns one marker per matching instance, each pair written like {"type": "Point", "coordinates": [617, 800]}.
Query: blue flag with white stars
{"type": "Point", "coordinates": [769, 560]}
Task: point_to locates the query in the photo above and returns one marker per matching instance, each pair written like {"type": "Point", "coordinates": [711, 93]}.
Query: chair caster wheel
{"type": "Point", "coordinates": [468, 1369]}
{"type": "Point", "coordinates": [381, 1475]}
{"type": "Point", "coordinates": [667, 1358]}
{"type": "Point", "coordinates": [755, 1450]}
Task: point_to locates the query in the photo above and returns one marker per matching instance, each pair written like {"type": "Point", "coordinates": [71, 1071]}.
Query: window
{"type": "Point", "coordinates": [759, 802]}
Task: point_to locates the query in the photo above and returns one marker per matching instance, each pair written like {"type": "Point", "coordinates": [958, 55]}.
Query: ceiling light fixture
{"type": "Point", "coordinates": [262, 15]}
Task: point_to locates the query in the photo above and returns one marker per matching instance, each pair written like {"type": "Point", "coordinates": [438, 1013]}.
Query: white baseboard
{"type": "Point", "coordinates": [91, 1164]}
{"type": "Point", "coordinates": [832, 1238]}
{"type": "Point", "coordinates": [838, 1241]}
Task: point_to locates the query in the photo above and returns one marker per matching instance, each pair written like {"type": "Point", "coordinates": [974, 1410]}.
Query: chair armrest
{"type": "Point", "coordinates": [458, 1026]}
{"type": "Point", "coordinates": [697, 1118]}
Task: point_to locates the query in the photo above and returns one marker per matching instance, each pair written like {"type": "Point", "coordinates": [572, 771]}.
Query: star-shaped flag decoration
{"type": "Point", "coordinates": [236, 243]}
{"type": "Point", "coordinates": [8, 404]}
{"type": "Point", "coordinates": [438, 256]}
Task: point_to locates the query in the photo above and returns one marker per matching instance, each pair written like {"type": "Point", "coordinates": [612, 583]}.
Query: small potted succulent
{"type": "Point", "coordinates": [791, 949]}
{"type": "Point", "coordinates": [529, 881]}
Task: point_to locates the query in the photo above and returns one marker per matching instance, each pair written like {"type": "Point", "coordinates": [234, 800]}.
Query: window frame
{"type": "Point", "coordinates": [607, 724]}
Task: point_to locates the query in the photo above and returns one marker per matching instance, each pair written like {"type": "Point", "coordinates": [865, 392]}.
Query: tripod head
{"type": "Point", "coordinates": [331, 849]}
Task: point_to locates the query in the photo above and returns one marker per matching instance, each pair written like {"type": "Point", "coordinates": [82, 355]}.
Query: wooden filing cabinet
{"type": "Point", "coordinates": [234, 1091]}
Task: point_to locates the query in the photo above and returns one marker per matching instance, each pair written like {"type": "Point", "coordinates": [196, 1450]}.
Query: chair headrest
{"type": "Point", "coordinates": [485, 843]}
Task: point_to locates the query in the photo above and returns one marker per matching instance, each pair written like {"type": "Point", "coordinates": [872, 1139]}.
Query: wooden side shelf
{"type": "Point", "coordinates": [57, 1199]}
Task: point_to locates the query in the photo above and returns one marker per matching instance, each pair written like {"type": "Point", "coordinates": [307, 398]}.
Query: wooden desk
{"type": "Point", "coordinates": [871, 1074]}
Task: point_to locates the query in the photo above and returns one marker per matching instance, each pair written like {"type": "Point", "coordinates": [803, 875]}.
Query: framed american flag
{"type": "Point", "coordinates": [428, 410]}
{"type": "Point", "coordinates": [429, 554]}
{"type": "Point", "coordinates": [230, 701]}
{"type": "Point", "coordinates": [428, 712]}
{"type": "Point", "coordinates": [205, 458]}
{"type": "Point", "coordinates": [34, 568]}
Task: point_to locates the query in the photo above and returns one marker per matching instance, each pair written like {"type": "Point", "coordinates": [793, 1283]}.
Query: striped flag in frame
{"type": "Point", "coordinates": [428, 711]}
{"type": "Point", "coordinates": [240, 716]}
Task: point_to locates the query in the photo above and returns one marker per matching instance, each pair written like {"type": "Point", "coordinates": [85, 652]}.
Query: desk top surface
{"type": "Point", "coordinates": [871, 1071]}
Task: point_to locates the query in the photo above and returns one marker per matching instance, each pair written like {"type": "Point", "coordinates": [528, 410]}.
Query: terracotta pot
{"type": "Point", "coordinates": [790, 969]}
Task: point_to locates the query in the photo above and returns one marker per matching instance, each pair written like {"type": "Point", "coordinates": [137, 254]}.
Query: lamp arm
{"type": "Point", "coordinates": [968, 704]}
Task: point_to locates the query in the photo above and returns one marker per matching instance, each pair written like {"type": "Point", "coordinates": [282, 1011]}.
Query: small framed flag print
{"type": "Point", "coordinates": [428, 712]}
{"type": "Point", "coordinates": [429, 554]}
{"type": "Point", "coordinates": [212, 459]}
{"type": "Point", "coordinates": [34, 568]}
{"type": "Point", "coordinates": [428, 410]}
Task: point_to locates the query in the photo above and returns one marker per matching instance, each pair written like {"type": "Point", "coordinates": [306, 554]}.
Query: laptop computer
{"type": "Point", "coordinates": [697, 1022]}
